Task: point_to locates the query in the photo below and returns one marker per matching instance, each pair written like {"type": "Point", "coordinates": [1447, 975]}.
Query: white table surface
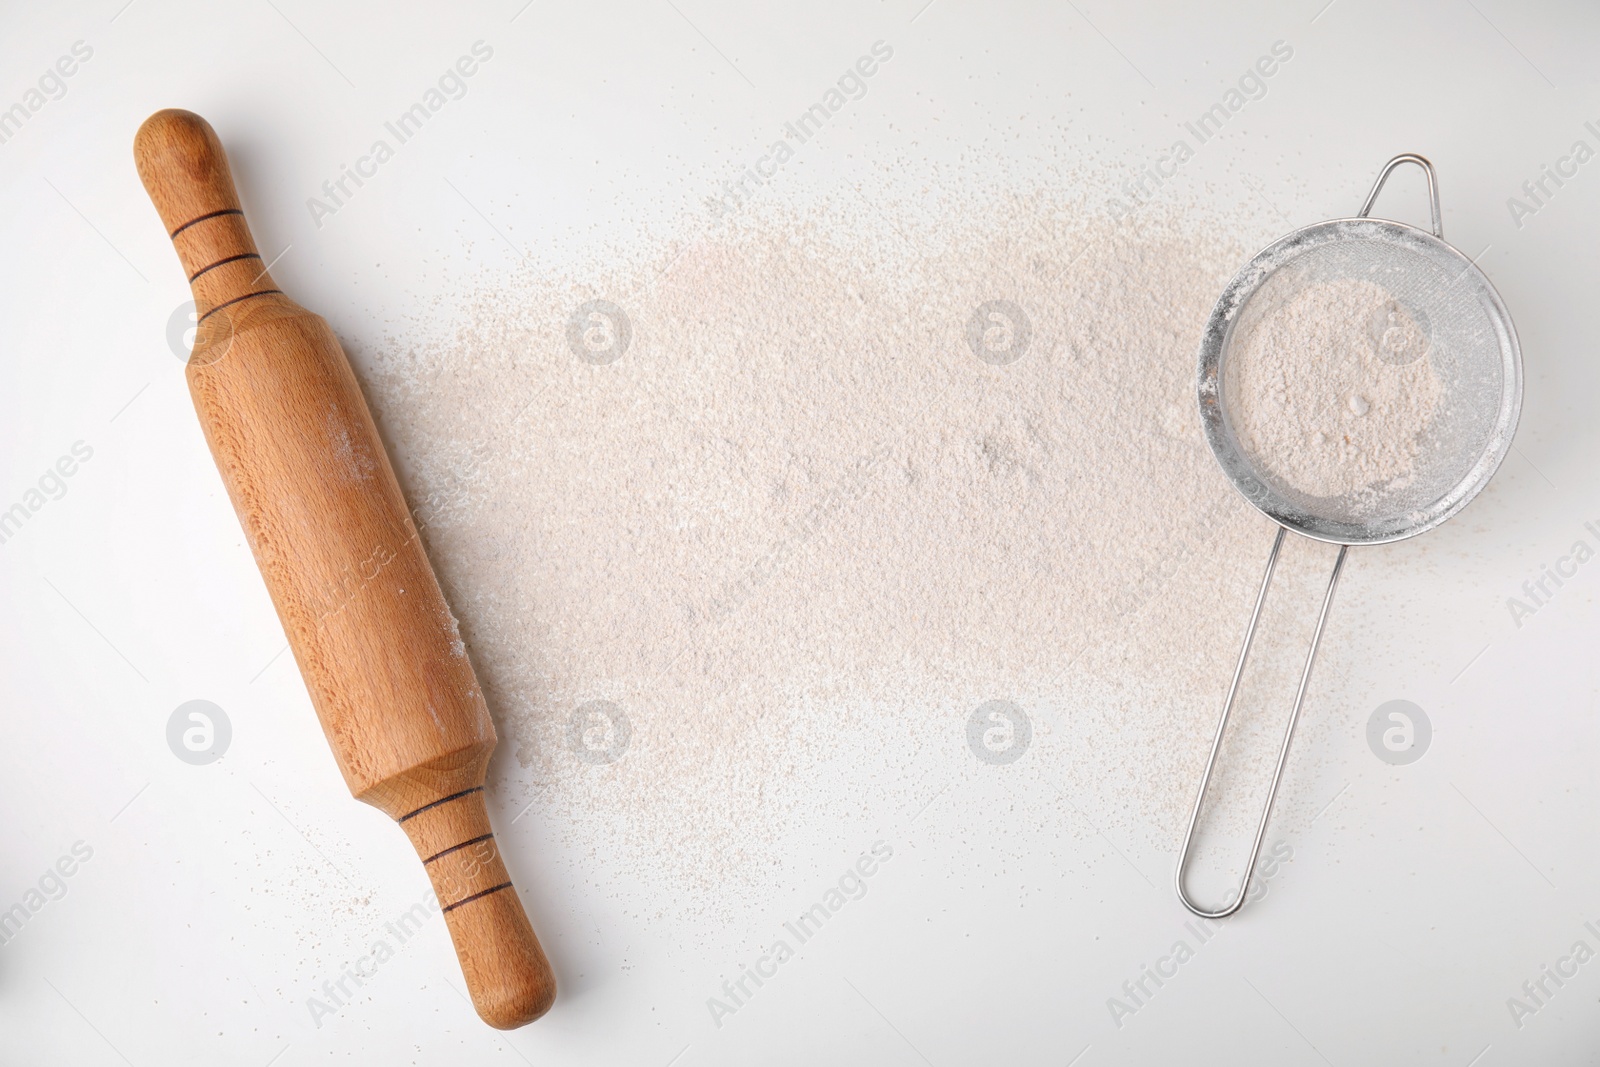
{"type": "Point", "coordinates": [207, 904]}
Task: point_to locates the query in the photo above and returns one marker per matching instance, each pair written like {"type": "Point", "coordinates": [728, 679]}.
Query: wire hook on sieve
{"type": "Point", "coordinates": [1433, 188]}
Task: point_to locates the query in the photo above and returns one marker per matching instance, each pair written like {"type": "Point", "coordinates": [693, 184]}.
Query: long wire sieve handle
{"type": "Point", "coordinates": [1288, 733]}
{"type": "Point", "coordinates": [1433, 188]}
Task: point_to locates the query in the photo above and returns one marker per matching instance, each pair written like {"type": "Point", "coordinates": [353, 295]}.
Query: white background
{"type": "Point", "coordinates": [218, 898]}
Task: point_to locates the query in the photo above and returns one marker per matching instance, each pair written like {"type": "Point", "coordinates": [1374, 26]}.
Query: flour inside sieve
{"type": "Point", "coordinates": [1330, 389]}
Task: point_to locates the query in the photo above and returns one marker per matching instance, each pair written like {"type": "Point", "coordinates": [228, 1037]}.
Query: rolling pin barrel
{"type": "Point", "coordinates": [376, 643]}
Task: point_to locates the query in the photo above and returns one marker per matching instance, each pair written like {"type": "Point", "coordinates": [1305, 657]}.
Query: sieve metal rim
{"type": "Point", "coordinates": [1230, 455]}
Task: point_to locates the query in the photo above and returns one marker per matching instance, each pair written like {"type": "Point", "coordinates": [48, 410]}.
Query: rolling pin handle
{"type": "Point", "coordinates": [506, 971]}
{"type": "Point", "coordinates": [185, 171]}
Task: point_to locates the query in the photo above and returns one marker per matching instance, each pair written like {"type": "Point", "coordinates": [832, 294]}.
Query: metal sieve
{"type": "Point", "coordinates": [1454, 319]}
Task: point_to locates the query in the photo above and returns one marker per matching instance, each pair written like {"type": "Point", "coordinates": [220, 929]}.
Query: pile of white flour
{"type": "Point", "coordinates": [847, 479]}
{"type": "Point", "coordinates": [1332, 390]}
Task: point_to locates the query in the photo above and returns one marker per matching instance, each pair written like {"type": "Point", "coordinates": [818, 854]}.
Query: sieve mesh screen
{"type": "Point", "coordinates": [1419, 321]}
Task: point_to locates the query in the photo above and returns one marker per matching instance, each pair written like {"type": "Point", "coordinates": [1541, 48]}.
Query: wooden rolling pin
{"type": "Point", "coordinates": [376, 643]}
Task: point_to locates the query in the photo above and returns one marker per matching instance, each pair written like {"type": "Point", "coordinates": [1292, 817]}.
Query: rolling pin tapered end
{"type": "Point", "coordinates": [183, 166]}
{"type": "Point", "coordinates": [507, 974]}
{"type": "Point", "coordinates": [506, 971]}
{"type": "Point", "coordinates": [185, 170]}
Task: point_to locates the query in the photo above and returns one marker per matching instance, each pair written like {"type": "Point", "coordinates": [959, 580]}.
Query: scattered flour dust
{"type": "Point", "coordinates": [1332, 390]}
{"type": "Point", "coordinates": [799, 530]}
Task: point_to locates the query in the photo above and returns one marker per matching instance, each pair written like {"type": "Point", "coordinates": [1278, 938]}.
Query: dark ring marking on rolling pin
{"type": "Point", "coordinates": [235, 300]}
{"type": "Point", "coordinates": [220, 262]}
{"type": "Point", "coordinates": [441, 800]}
{"type": "Point", "coordinates": [475, 896]}
{"type": "Point", "coordinates": [202, 218]}
{"type": "Point", "coordinates": [453, 848]}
